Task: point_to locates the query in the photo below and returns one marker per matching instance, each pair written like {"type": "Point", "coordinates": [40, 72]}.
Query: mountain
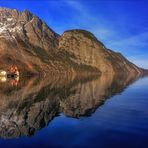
{"type": "Point", "coordinates": [86, 49]}
{"type": "Point", "coordinates": [27, 42]}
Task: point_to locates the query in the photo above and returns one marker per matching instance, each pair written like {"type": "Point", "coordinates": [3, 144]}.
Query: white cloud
{"type": "Point", "coordinates": [141, 63]}
{"type": "Point", "coordinates": [140, 60]}
{"type": "Point", "coordinates": [135, 41]}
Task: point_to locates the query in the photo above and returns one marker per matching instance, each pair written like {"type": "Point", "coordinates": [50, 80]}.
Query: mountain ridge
{"type": "Point", "coordinates": [29, 43]}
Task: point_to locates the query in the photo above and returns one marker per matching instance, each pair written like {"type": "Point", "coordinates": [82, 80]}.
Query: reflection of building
{"type": "Point", "coordinates": [3, 78]}
{"type": "Point", "coordinates": [14, 81]}
{"type": "Point", "coordinates": [12, 75]}
{"type": "Point", "coordinates": [11, 72]}
{"type": "Point", "coordinates": [3, 73]}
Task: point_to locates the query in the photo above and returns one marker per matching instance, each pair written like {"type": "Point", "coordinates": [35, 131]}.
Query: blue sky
{"type": "Point", "coordinates": [120, 24]}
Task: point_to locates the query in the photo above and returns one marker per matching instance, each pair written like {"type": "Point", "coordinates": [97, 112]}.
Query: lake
{"type": "Point", "coordinates": [98, 112]}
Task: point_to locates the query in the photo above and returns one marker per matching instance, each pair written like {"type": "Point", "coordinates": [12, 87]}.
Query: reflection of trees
{"type": "Point", "coordinates": [34, 103]}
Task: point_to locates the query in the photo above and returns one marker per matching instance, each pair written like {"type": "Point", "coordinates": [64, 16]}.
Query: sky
{"type": "Point", "coordinates": [120, 24]}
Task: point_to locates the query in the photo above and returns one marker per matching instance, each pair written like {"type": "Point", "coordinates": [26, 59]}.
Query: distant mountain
{"type": "Point", "coordinates": [27, 41]}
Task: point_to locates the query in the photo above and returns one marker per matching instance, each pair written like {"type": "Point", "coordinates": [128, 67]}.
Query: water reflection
{"type": "Point", "coordinates": [13, 81]}
{"type": "Point", "coordinates": [3, 79]}
{"type": "Point", "coordinates": [34, 102]}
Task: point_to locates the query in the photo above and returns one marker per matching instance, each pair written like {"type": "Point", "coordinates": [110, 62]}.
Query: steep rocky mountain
{"type": "Point", "coordinates": [27, 41]}
{"type": "Point", "coordinates": [86, 49]}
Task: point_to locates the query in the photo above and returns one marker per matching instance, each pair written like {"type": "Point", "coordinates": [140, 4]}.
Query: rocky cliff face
{"type": "Point", "coordinates": [84, 48]}
{"type": "Point", "coordinates": [26, 27]}
{"type": "Point", "coordinates": [27, 41]}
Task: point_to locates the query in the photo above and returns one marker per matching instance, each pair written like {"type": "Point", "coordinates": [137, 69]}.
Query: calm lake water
{"type": "Point", "coordinates": [98, 113]}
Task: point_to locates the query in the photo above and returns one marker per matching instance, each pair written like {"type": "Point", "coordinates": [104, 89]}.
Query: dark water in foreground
{"type": "Point", "coordinates": [100, 113]}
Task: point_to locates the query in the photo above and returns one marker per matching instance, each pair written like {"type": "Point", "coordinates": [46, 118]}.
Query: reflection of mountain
{"type": "Point", "coordinates": [33, 104]}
